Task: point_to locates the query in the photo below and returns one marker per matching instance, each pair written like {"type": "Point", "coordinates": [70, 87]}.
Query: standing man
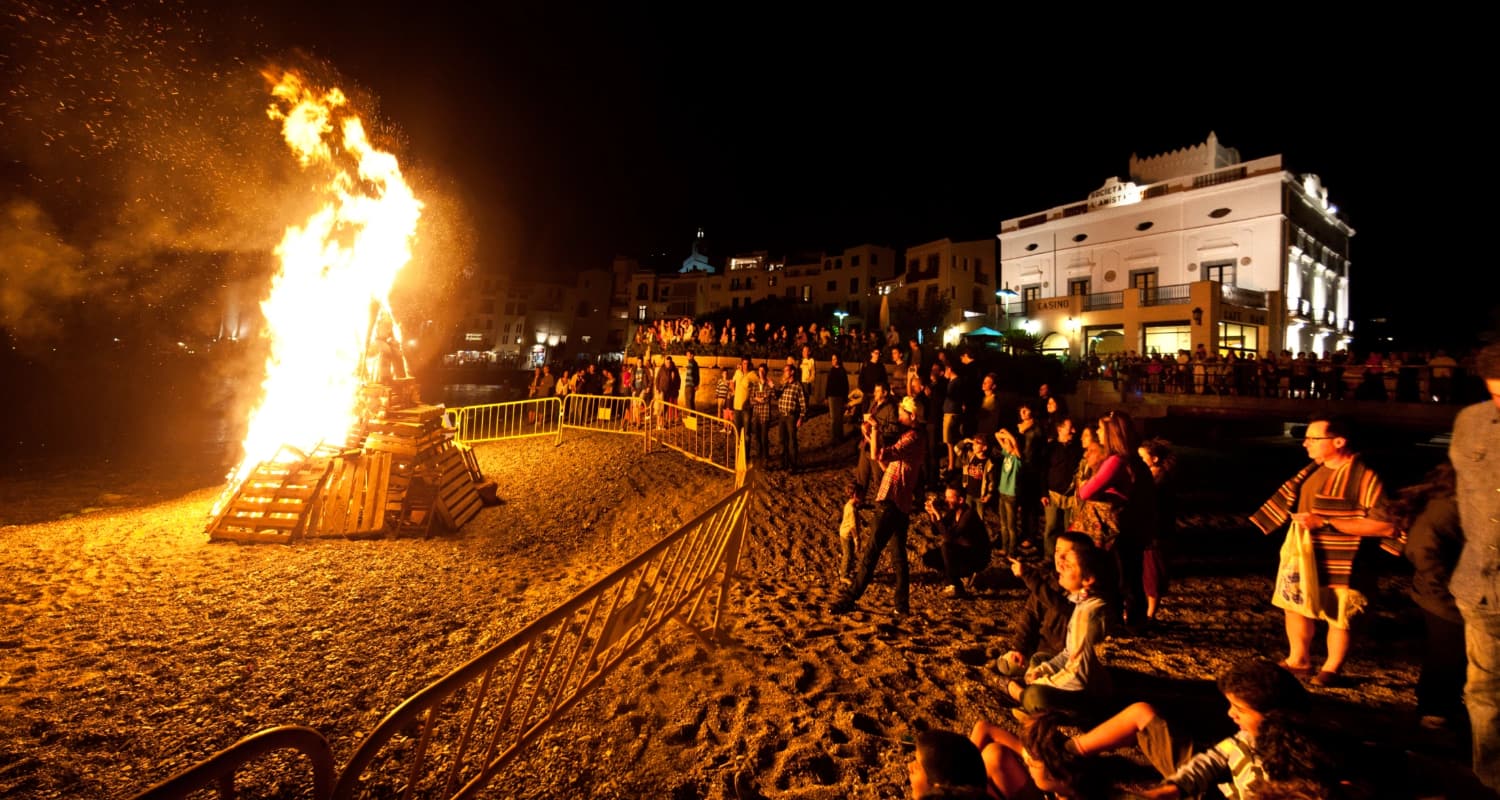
{"type": "Point", "coordinates": [793, 407]}
{"type": "Point", "coordinates": [881, 427]}
{"type": "Point", "coordinates": [1063, 455]}
{"type": "Point", "coordinates": [871, 373]}
{"type": "Point", "coordinates": [902, 462]}
{"type": "Point", "coordinates": [741, 384]}
{"type": "Point", "coordinates": [809, 370]}
{"type": "Point", "coordinates": [1475, 453]}
{"type": "Point", "coordinates": [1336, 501]}
{"type": "Point", "coordinates": [690, 383]}
{"type": "Point", "coordinates": [837, 389]}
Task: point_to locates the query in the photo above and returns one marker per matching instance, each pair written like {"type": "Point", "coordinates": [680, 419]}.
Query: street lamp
{"type": "Point", "coordinates": [841, 315]}
{"type": "Point", "coordinates": [1005, 295]}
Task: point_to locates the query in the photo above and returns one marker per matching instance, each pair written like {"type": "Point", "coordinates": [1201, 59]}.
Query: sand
{"type": "Point", "coordinates": [130, 646]}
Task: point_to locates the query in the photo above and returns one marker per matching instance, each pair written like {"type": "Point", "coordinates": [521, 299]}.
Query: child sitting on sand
{"type": "Point", "coordinates": [1038, 763]}
{"type": "Point", "coordinates": [1075, 679]}
{"type": "Point", "coordinates": [1265, 701]}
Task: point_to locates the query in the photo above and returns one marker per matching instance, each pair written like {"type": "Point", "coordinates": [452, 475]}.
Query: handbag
{"type": "Point", "coordinates": [1099, 519]}
{"type": "Point", "coordinates": [1297, 575]}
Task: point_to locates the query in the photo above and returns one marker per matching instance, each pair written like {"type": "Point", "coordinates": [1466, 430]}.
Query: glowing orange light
{"type": "Point", "coordinates": [334, 276]}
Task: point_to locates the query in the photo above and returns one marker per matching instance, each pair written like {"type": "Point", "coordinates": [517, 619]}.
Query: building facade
{"type": "Point", "coordinates": [1198, 249]}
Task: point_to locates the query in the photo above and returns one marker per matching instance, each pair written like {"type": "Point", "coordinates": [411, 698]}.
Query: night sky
{"type": "Point", "coordinates": [549, 141]}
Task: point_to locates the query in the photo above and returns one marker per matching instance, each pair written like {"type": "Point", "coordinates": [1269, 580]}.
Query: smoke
{"type": "Point", "coordinates": [143, 186]}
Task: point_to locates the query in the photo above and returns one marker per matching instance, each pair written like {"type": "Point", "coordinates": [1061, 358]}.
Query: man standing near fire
{"type": "Point", "coordinates": [902, 462]}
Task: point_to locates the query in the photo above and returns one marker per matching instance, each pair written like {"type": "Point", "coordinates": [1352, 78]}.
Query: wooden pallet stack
{"type": "Point", "coordinates": [275, 503]}
{"type": "Point", "coordinates": [430, 479]}
{"type": "Point", "coordinates": [400, 472]}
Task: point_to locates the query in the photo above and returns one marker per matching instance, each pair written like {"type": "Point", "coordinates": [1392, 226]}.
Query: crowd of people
{"type": "Point", "coordinates": [1028, 483]}
{"type": "Point", "coordinates": [1340, 375]}
{"type": "Point", "coordinates": [1076, 511]}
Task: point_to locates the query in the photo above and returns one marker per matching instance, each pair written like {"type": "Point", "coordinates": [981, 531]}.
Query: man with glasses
{"type": "Point", "coordinates": [1475, 452]}
{"type": "Point", "coordinates": [1333, 504]}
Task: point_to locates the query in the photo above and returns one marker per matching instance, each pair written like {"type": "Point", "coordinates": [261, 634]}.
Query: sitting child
{"type": "Point", "coordinates": [1038, 763]}
{"type": "Point", "coordinates": [1075, 679]}
{"type": "Point", "coordinates": [1265, 701]}
{"type": "Point", "coordinates": [1040, 632]}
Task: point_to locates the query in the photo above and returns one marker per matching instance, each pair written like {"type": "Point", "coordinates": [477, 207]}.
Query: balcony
{"type": "Point", "coordinates": [1249, 298]}
{"type": "Point", "coordinates": [1175, 295]}
{"type": "Point", "coordinates": [1103, 301]}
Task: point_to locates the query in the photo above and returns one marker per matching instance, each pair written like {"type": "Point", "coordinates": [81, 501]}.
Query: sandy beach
{"type": "Point", "coordinates": [130, 646]}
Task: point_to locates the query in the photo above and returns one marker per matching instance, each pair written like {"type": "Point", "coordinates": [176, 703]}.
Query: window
{"type": "Point", "coordinates": [827, 263]}
{"type": "Point", "coordinates": [640, 311]}
{"type": "Point", "coordinates": [807, 293]}
{"type": "Point", "coordinates": [1030, 293]}
{"type": "Point", "coordinates": [854, 307]}
{"type": "Point", "coordinates": [734, 302]}
{"type": "Point", "coordinates": [838, 263]}
{"type": "Point", "coordinates": [1234, 336]}
{"type": "Point", "coordinates": [1078, 286]}
{"type": "Point", "coordinates": [1169, 338]}
{"type": "Point", "coordinates": [833, 286]}
{"type": "Point", "coordinates": [771, 282]}
{"type": "Point", "coordinates": [874, 259]}
{"type": "Point", "coordinates": [854, 286]}
{"type": "Point", "coordinates": [934, 263]}
{"type": "Point", "coordinates": [1221, 271]}
{"type": "Point", "coordinates": [642, 292]}
{"type": "Point", "coordinates": [853, 261]}
{"type": "Point", "coordinates": [1145, 280]}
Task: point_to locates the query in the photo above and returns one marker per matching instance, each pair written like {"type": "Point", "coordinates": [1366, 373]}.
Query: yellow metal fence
{"type": "Point", "coordinates": [540, 416]}
{"type": "Point", "coordinates": [452, 737]}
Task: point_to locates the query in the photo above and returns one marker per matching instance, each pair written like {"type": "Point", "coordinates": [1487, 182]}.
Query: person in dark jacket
{"type": "Point", "coordinates": [1429, 513]}
{"type": "Point", "coordinates": [837, 390]}
{"type": "Point", "coordinates": [1040, 631]}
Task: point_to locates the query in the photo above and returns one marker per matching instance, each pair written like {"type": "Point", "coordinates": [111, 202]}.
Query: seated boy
{"type": "Point", "coordinates": [1075, 679]}
{"type": "Point", "coordinates": [1260, 693]}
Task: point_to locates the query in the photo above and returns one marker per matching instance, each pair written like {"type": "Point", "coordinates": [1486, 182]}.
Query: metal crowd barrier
{"type": "Point", "coordinates": [540, 416]}
{"type": "Point", "coordinates": [607, 413]}
{"type": "Point", "coordinates": [454, 735]}
{"type": "Point", "coordinates": [219, 769]}
{"type": "Point", "coordinates": [701, 437]}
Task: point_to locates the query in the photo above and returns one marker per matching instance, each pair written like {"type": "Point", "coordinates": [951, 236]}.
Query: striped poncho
{"type": "Point", "coordinates": [1351, 491]}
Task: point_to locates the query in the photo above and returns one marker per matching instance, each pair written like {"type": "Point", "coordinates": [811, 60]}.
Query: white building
{"type": "Point", "coordinates": [1199, 248]}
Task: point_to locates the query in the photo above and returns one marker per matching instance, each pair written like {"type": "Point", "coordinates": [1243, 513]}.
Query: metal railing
{"type": "Point", "coordinates": [218, 770]}
{"type": "Point", "coordinates": [702, 437]}
{"type": "Point", "coordinates": [1100, 301]}
{"type": "Point", "coordinates": [515, 420]}
{"type": "Point", "coordinates": [453, 736]}
{"type": "Point", "coordinates": [1171, 295]}
{"type": "Point", "coordinates": [607, 413]}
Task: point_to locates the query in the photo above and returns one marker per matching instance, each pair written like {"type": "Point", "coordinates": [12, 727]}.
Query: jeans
{"type": "Point", "coordinates": [1055, 521]}
{"type": "Point", "coordinates": [1008, 525]}
{"type": "Point", "coordinates": [891, 523]}
{"type": "Point", "coordinates": [1482, 690]}
{"type": "Point", "coordinates": [789, 442]}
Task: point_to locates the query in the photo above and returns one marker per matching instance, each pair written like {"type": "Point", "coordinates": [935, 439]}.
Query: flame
{"type": "Point", "coordinates": [331, 291]}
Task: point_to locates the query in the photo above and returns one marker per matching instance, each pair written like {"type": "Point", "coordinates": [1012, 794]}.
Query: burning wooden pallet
{"type": "Point", "coordinates": [274, 502]}
{"type": "Point", "coordinates": [402, 472]}
{"type": "Point", "coordinates": [353, 499]}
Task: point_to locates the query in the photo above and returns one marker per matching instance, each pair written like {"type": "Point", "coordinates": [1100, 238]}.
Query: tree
{"type": "Point", "coordinates": [908, 317]}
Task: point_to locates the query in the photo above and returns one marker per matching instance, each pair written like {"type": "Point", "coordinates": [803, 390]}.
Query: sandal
{"type": "Point", "coordinates": [1301, 672]}
{"type": "Point", "coordinates": [1327, 679]}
